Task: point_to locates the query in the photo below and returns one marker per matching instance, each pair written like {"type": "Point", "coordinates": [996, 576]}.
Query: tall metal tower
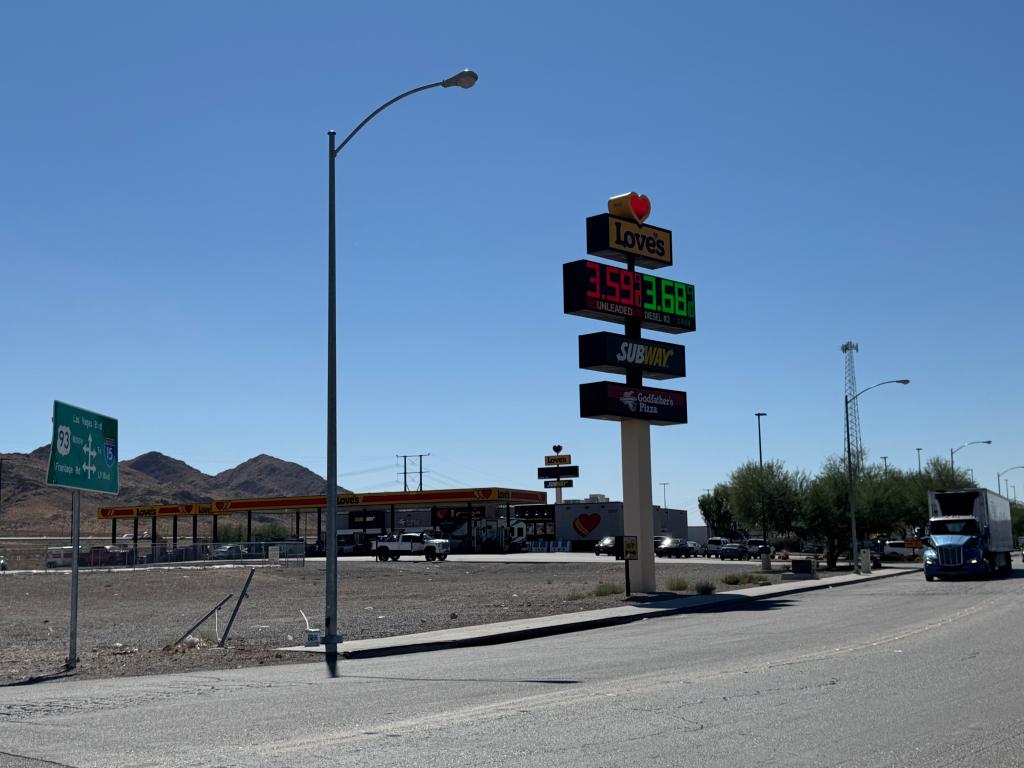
{"type": "Point", "coordinates": [856, 448]}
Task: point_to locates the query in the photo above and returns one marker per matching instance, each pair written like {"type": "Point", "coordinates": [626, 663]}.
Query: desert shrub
{"type": "Point", "coordinates": [678, 584]}
{"type": "Point", "coordinates": [604, 589]}
{"type": "Point", "coordinates": [704, 588]}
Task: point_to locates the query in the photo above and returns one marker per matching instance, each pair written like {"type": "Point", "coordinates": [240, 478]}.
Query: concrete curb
{"type": "Point", "coordinates": [547, 626]}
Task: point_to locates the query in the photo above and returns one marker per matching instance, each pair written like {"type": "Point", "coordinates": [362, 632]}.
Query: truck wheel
{"type": "Point", "coordinates": [442, 557]}
{"type": "Point", "coordinates": [382, 554]}
{"type": "Point", "coordinates": [430, 555]}
{"type": "Point", "coordinates": [928, 578]}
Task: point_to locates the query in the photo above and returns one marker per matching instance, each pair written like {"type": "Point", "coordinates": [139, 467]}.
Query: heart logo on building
{"type": "Point", "coordinates": [586, 522]}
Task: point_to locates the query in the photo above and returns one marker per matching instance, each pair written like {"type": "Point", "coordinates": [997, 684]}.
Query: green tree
{"type": "Point", "coordinates": [1017, 516]}
{"type": "Point", "coordinates": [824, 509]}
{"type": "Point", "coordinates": [715, 508]}
{"type": "Point", "coordinates": [764, 497]}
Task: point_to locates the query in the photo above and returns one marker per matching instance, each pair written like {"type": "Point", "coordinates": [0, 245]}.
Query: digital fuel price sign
{"type": "Point", "coordinates": [604, 292]}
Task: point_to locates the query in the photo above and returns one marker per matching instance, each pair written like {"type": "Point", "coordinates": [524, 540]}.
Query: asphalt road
{"type": "Point", "coordinates": [895, 672]}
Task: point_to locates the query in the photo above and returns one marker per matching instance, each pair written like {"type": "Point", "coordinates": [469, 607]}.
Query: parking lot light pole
{"type": "Point", "coordinates": [849, 467]}
{"type": "Point", "coordinates": [331, 638]}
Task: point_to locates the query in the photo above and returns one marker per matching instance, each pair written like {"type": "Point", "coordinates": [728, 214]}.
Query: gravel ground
{"type": "Point", "coordinates": [127, 619]}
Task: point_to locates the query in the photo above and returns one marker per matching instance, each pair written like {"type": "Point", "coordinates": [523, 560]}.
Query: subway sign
{"type": "Point", "coordinates": [614, 353]}
{"type": "Point", "coordinates": [606, 292]}
{"type": "Point", "coordinates": [620, 239]}
{"type": "Point", "coordinates": [618, 402]}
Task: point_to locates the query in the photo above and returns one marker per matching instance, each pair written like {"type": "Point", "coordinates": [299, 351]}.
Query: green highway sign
{"type": "Point", "coordinates": [83, 452]}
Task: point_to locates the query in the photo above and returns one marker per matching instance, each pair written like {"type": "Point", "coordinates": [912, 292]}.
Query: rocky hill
{"type": "Point", "coordinates": [29, 507]}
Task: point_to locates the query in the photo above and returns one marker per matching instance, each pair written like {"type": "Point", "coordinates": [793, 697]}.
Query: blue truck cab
{"type": "Point", "coordinates": [969, 534]}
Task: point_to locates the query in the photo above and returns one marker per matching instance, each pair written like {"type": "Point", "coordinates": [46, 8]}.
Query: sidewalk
{"type": "Point", "coordinates": [524, 629]}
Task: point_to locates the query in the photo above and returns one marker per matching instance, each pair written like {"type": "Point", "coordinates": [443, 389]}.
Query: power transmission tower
{"type": "Point", "coordinates": [853, 413]}
{"type": "Point", "coordinates": [405, 468]}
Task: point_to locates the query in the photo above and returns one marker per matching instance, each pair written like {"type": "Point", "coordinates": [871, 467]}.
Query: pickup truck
{"type": "Point", "coordinates": [395, 545]}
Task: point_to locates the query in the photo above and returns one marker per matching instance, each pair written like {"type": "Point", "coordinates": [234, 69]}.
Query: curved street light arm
{"type": "Point", "coordinates": [974, 442]}
{"type": "Point", "coordinates": [893, 381]}
{"type": "Point", "coordinates": [999, 477]}
{"type": "Point", "coordinates": [380, 109]}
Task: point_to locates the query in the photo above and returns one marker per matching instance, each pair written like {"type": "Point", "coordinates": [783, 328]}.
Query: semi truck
{"type": "Point", "coordinates": [969, 534]}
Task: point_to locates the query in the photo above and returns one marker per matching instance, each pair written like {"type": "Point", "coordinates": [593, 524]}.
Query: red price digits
{"type": "Point", "coordinates": [612, 278]}
{"type": "Point", "coordinates": [594, 281]}
{"type": "Point", "coordinates": [629, 292]}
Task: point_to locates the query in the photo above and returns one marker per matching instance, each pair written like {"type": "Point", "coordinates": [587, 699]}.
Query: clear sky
{"type": "Point", "coordinates": [831, 171]}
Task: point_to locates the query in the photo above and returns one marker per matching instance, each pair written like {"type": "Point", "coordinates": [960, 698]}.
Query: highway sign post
{"type": "Point", "coordinates": [83, 457]}
{"type": "Point", "coordinates": [83, 451]}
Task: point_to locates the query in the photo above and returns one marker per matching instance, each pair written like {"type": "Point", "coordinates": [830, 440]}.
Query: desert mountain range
{"type": "Point", "coordinates": [29, 507]}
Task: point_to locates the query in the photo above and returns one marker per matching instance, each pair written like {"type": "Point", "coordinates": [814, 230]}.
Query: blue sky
{"type": "Point", "coordinates": [830, 171]}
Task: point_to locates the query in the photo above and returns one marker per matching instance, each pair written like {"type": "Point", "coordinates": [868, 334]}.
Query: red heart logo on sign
{"type": "Point", "coordinates": [630, 205]}
{"type": "Point", "coordinates": [640, 206]}
{"type": "Point", "coordinates": [585, 523]}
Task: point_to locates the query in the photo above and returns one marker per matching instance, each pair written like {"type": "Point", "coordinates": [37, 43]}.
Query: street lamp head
{"type": "Point", "coordinates": [465, 79]}
{"type": "Point", "coordinates": [759, 413]}
{"type": "Point", "coordinates": [902, 381]}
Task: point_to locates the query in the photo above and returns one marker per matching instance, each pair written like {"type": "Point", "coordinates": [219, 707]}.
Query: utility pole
{"type": "Point", "coordinates": [918, 460]}
{"type": "Point", "coordinates": [885, 464]}
{"type": "Point", "coordinates": [405, 468]}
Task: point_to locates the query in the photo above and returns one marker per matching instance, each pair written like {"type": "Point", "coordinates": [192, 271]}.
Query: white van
{"type": "Point", "coordinates": [714, 544]}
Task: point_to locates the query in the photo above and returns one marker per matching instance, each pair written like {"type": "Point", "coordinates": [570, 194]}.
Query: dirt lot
{"type": "Point", "coordinates": [128, 618]}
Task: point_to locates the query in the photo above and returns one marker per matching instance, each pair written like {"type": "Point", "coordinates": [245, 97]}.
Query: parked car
{"type": "Point", "coordinates": [658, 540]}
{"type": "Point", "coordinates": [605, 546]}
{"type": "Point", "coordinates": [229, 552]}
{"type": "Point", "coordinates": [677, 548]}
{"type": "Point", "coordinates": [669, 548]}
{"type": "Point", "coordinates": [714, 544]}
{"type": "Point", "coordinates": [758, 547]}
{"type": "Point", "coordinates": [733, 552]}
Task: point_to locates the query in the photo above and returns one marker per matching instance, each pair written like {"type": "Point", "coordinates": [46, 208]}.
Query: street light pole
{"type": "Point", "coordinates": [849, 467]}
{"type": "Point", "coordinates": [885, 466]}
{"type": "Point", "coordinates": [954, 451]}
{"type": "Point", "coordinates": [999, 479]}
{"type": "Point", "coordinates": [664, 501]}
{"type": "Point", "coordinates": [331, 638]}
{"type": "Point", "coordinates": [760, 478]}
{"type": "Point", "coordinates": [766, 558]}
{"type": "Point", "coordinates": [918, 460]}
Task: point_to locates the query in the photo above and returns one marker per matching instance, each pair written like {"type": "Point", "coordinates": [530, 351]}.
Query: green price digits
{"type": "Point", "coordinates": [669, 297]}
